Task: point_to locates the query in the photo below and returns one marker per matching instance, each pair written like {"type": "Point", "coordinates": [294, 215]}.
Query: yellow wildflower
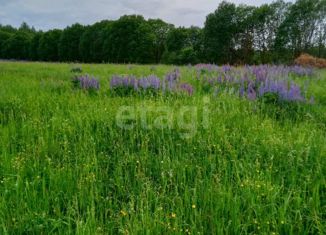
{"type": "Point", "coordinates": [123, 213]}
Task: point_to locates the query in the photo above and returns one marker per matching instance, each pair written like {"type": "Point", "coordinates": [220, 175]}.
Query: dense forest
{"type": "Point", "coordinates": [234, 34]}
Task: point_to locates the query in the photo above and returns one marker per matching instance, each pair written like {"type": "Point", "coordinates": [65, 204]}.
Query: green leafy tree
{"type": "Point", "coordinates": [160, 30]}
{"type": "Point", "coordinates": [34, 46]}
{"type": "Point", "coordinates": [48, 49]}
{"type": "Point", "coordinates": [24, 27]}
{"type": "Point", "coordinates": [244, 36]}
{"type": "Point", "coordinates": [8, 29]}
{"type": "Point", "coordinates": [69, 43]}
{"type": "Point", "coordinates": [183, 46]}
{"type": "Point", "coordinates": [92, 42]}
{"type": "Point", "coordinates": [296, 33]}
{"type": "Point", "coordinates": [129, 40]}
{"type": "Point", "coordinates": [219, 33]}
{"type": "Point", "coordinates": [4, 36]}
{"type": "Point", "coordinates": [268, 18]}
{"type": "Point", "coordinates": [17, 46]}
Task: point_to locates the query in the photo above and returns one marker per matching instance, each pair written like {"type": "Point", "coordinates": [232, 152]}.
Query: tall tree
{"type": "Point", "coordinates": [219, 33]}
{"type": "Point", "coordinates": [4, 36]}
{"type": "Point", "coordinates": [48, 49]}
{"type": "Point", "coordinates": [92, 41]}
{"type": "Point", "coordinates": [297, 30]}
{"type": "Point", "coordinates": [17, 46]}
{"type": "Point", "coordinates": [183, 46]}
{"type": "Point", "coordinates": [34, 46]}
{"type": "Point", "coordinates": [160, 30]}
{"type": "Point", "coordinates": [130, 40]}
{"type": "Point", "coordinates": [69, 43]}
{"type": "Point", "coordinates": [244, 34]}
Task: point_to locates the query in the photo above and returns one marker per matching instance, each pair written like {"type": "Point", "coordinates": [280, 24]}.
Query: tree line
{"type": "Point", "coordinates": [234, 34]}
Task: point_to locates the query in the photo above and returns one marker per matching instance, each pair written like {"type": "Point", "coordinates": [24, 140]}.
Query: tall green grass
{"type": "Point", "coordinates": [66, 168]}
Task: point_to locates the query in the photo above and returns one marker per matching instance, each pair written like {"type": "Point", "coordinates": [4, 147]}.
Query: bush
{"type": "Point", "coordinates": [308, 60]}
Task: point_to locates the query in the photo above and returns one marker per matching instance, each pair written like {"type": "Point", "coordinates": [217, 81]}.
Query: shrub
{"type": "Point", "coordinates": [308, 60]}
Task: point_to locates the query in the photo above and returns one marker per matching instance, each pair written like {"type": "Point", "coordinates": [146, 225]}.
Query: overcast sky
{"type": "Point", "coordinates": [48, 14]}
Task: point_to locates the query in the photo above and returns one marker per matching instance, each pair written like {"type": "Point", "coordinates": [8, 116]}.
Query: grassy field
{"type": "Point", "coordinates": [67, 168]}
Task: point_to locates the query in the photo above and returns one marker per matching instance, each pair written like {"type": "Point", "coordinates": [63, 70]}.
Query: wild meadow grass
{"type": "Point", "coordinates": [67, 168]}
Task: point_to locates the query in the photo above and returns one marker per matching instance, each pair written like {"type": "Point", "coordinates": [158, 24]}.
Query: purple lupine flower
{"type": "Point", "coordinates": [130, 83]}
{"type": "Point", "coordinates": [282, 89]}
{"type": "Point", "coordinates": [301, 71]}
{"type": "Point", "coordinates": [251, 94]}
{"type": "Point", "coordinates": [150, 82]}
{"type": "Point", "coordinates": [133, 82]}
{"type": "Point", "coordinates": [294, 93]}
{"type": "Point", "coordinates": [115, 82]}
{"type": "Point", "coordinates": [226, 68]}
{"type": "Point", "coordinates": [187, 88]}
{"type": "Point", "coordinates": [86, 83]}
{"type": "Point", "coordinates": [171, 86]}
{"type": "Point", "coordinates": [155, 82]}
{"type": "Point", "coordinates": [256, 81]}
{"type": "Point", "coordinates": [206, 67]}
{"type": "Point", "coordinates": [242, 90]}
{"type": "Point", "coordinates": [173, 76]}
{"type": "Point", "coordinates": [143, 83]}
{"type": "Point", "coordinates": [171, 80]}
{"type": "Point", "coordinates": [219, 79]}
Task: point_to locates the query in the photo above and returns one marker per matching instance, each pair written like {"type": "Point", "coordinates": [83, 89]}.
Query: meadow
{"type": "Point", "coordinates": [210, 158]}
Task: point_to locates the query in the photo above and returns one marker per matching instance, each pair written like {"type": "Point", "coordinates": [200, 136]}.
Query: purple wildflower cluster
{"type": "Point", "coordinates": [268, 70]}
{"type": "Point", "coordinates": [207, 67]}
{"type": "Point", "coordinates": [186, 88]}
{"type": "Point", "coordinates": [256, 81]}
{"type": "Point", "coordinates": [302, 71]}
{"type": "Point", "coordinates": [128, 84]}
{"type": "Point", "coordinates": [283, 90]}
{"type": "Point", "coordinates": [86, 83]}
{"type": "Point", "coordinates": [153, 84]}
{"type": "Point", "coordinates": [281, 71]}
{"type": "Point", "coordinates": [252, 82]}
